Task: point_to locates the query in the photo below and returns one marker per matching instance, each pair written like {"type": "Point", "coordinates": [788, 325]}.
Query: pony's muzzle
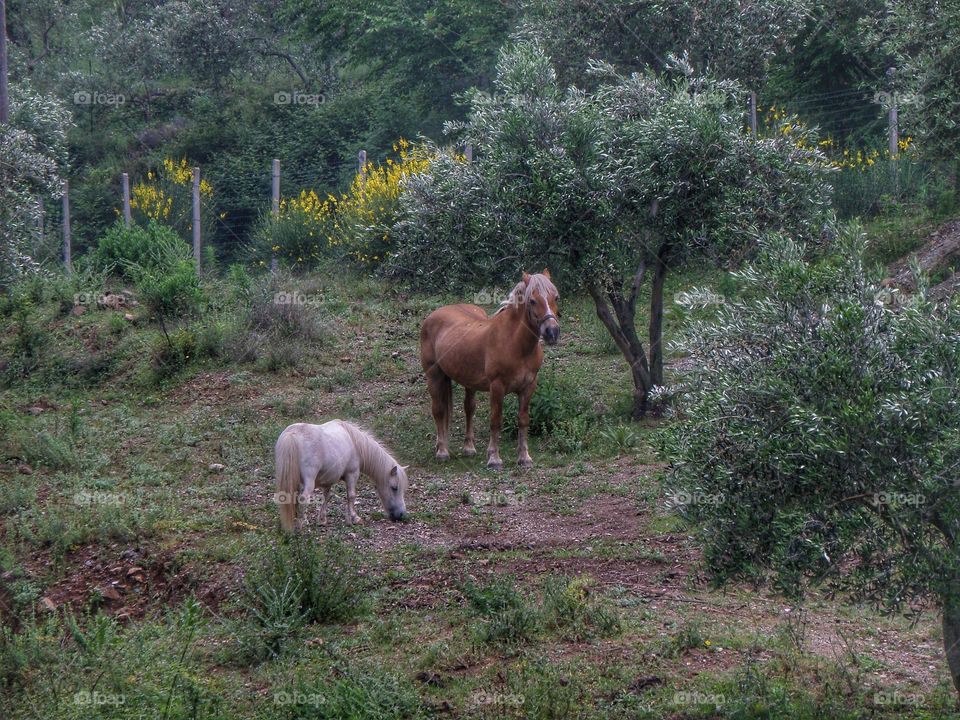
{"type": "Point", "coordinates": [551, 332]}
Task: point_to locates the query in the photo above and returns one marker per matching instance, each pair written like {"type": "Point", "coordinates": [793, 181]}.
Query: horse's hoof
{"type": "Point", "coordinates": [469, 452]}
{"type": "Point", "coordinates": [525, 463]}
{"type": "Point", "coordinates": [441, 456]}
{"type": "Point", "coordinates": [494, 465]}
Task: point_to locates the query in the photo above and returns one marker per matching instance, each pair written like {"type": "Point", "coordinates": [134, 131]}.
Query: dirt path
{"type": "Point", "coordinates": [942, 246]}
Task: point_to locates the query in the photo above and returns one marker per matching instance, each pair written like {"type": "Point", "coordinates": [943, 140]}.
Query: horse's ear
{"type": "Point", "coordinates": [526, 278]}
{"type": "Point", "coordinates": [546, 274]}
{"type": "Point", "coordinates": [393, 471]}
{"type": "Point", "coordinates": [404, 467]}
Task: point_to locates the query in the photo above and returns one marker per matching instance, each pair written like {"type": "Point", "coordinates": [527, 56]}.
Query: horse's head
{"type": "Point", "coordinates": [391, 491]}
{"type": "Point", "coordinates": [540, 297]}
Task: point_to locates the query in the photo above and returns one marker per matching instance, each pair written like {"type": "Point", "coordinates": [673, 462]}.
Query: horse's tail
{"type": "Point", "coordinates": [288, 479]}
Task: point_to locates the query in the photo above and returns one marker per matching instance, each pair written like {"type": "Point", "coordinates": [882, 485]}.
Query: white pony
{"type": "Point", "coordinates": [309, 456]}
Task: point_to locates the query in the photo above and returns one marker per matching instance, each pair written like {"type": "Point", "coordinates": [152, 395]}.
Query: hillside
{"type": "Point", "coordinates": [514, 594]}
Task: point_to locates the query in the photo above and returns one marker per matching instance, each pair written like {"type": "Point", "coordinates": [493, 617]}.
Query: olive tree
{"type": "Point", "coordinates": [609, 188]}
{"type": "Point", "coordinates": [33, 152]}
{"type": "Point", "coordinates": [818, 438]}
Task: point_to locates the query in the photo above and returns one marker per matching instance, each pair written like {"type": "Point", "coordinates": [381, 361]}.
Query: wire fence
{"type": "Point", "coordinates": [246, 199]}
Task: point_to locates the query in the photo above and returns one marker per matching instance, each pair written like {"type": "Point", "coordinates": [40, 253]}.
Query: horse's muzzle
{"type": "Point", "coordinates": [551, 333]}
{"type": "Point", "coordinates": [398, 514]}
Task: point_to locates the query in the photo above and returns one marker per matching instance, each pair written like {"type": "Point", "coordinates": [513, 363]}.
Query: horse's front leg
{"type": "Point", "coordinates": [523, 422]}
{"type": "Point", "coordinates": [496, 417]}
{"type": "Point", "coordinates": [351, 479]}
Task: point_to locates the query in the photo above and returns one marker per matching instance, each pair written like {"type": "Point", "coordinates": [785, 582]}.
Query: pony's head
{"type": "Point", "coordinates": [538, 296]}
{"type": "Point", "coordinates": [391, 490]}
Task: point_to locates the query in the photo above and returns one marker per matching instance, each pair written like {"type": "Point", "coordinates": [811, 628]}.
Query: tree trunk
{"type": "Point", "coordinates": [655, 335]}
{"type": "Point", "coordinates": [621, 328]}
{"type": "Point", "coordinates": [951, 632]}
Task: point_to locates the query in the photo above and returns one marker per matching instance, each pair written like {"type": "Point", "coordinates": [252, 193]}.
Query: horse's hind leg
{"type": "Point", "coordinates": [469, 407]}
{"type": "Point", "coordinates": [441, 395]}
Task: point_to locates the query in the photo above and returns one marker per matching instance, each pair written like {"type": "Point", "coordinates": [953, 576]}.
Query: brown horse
{"type": "Point", "coordinates": [499, 354]}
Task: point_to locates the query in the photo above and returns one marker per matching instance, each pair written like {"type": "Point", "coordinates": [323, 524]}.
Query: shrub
{"type": "Point", "coordinates": [324, 576]}
{"type": "Point", "coordinates": [123, 247]}
{"type": "Point", "coordinates": [166, 281]}
{"type": "Point", "coordinates": [357, 225]}
{"type": "Point", "coordinates": [554, 403]}
{"type": "Point", "coordinates": [836, 398]}
{"type": "Point", "coordinates": [354, 691]}
{"type": "Point", "coordinates": [506, 617]}
{"type": "Point", "coordinates": [570, 608]}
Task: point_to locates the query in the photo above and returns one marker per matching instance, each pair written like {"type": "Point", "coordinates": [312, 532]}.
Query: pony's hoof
{"type": "Point", "coordinates": [525, 462]}
{"type": "Point", "coordinates": [494, 465]}
{"type": "Point", "coordinates": [469, 452]}
{"type": "Point", "coordinates": [441, 456]}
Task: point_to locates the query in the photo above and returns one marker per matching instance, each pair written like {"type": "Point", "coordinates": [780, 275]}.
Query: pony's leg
{"type": "Point", "coordinates": [496, 416]}
{"type": "Point", "coordinates": [523, 422]}
{"type": "Point", "coordinates": [441, 394]}
{"type": "Point", "coordinates": [322, 512]}
{"type": "Point", "coordinates": [351, 479]}
{"type": "Point", "coordinates": [469, 407]}
{"type": "Point", "coordinates": [305, 494]}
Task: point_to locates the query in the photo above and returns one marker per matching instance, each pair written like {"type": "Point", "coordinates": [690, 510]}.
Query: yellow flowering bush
{"type": "Point", "coordinates": [166, 196]}
{"type": "Point", "coordinates": [355, 225]}
{"type": "Point", "coordinates": [865, 182]}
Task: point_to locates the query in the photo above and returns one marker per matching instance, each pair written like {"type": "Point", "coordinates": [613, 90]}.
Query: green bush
{"type": "Point", "coordinates": [300, 580]}
{"type": "Point", "coordinates": [353, 691]}
{"type": "Point", "coordinates": [822, 390]}
{"type": "Point", "coordinates": [554, 403]}
{"type": "Point", "coordinates": [123, 246]}
{"type": "Point", "coordinates": [574, 612]}
{"type": "Point", "coordinates": [505, 616]}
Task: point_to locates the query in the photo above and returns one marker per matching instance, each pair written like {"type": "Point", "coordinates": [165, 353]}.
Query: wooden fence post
{"type": "Point", "coordinates": [753, 114]}
{"type": "Point", "coordinates": [196, 217]}
{"type": "Point", "coordinates": [362, 165]}
{"type": "Point", "coordinates": [276, 206]}
{"type": "Point", "coordinates": [67, 250]}
{"type": "Point", "coordinates": [468, 152]}
{"type": "Point", "coordinates": [125, 181]}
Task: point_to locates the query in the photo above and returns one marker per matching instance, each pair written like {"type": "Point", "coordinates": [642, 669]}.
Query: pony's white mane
{"type": "Point", "coordinates": [536, 283]}
{"type": "Point", "coordinates": [375, 461]}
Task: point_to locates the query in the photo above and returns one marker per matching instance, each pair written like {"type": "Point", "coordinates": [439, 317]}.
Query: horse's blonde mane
{"type": "Point", "coordinates": [537, 283]}
{"type": "Point", "coordinates": [375, 460]}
